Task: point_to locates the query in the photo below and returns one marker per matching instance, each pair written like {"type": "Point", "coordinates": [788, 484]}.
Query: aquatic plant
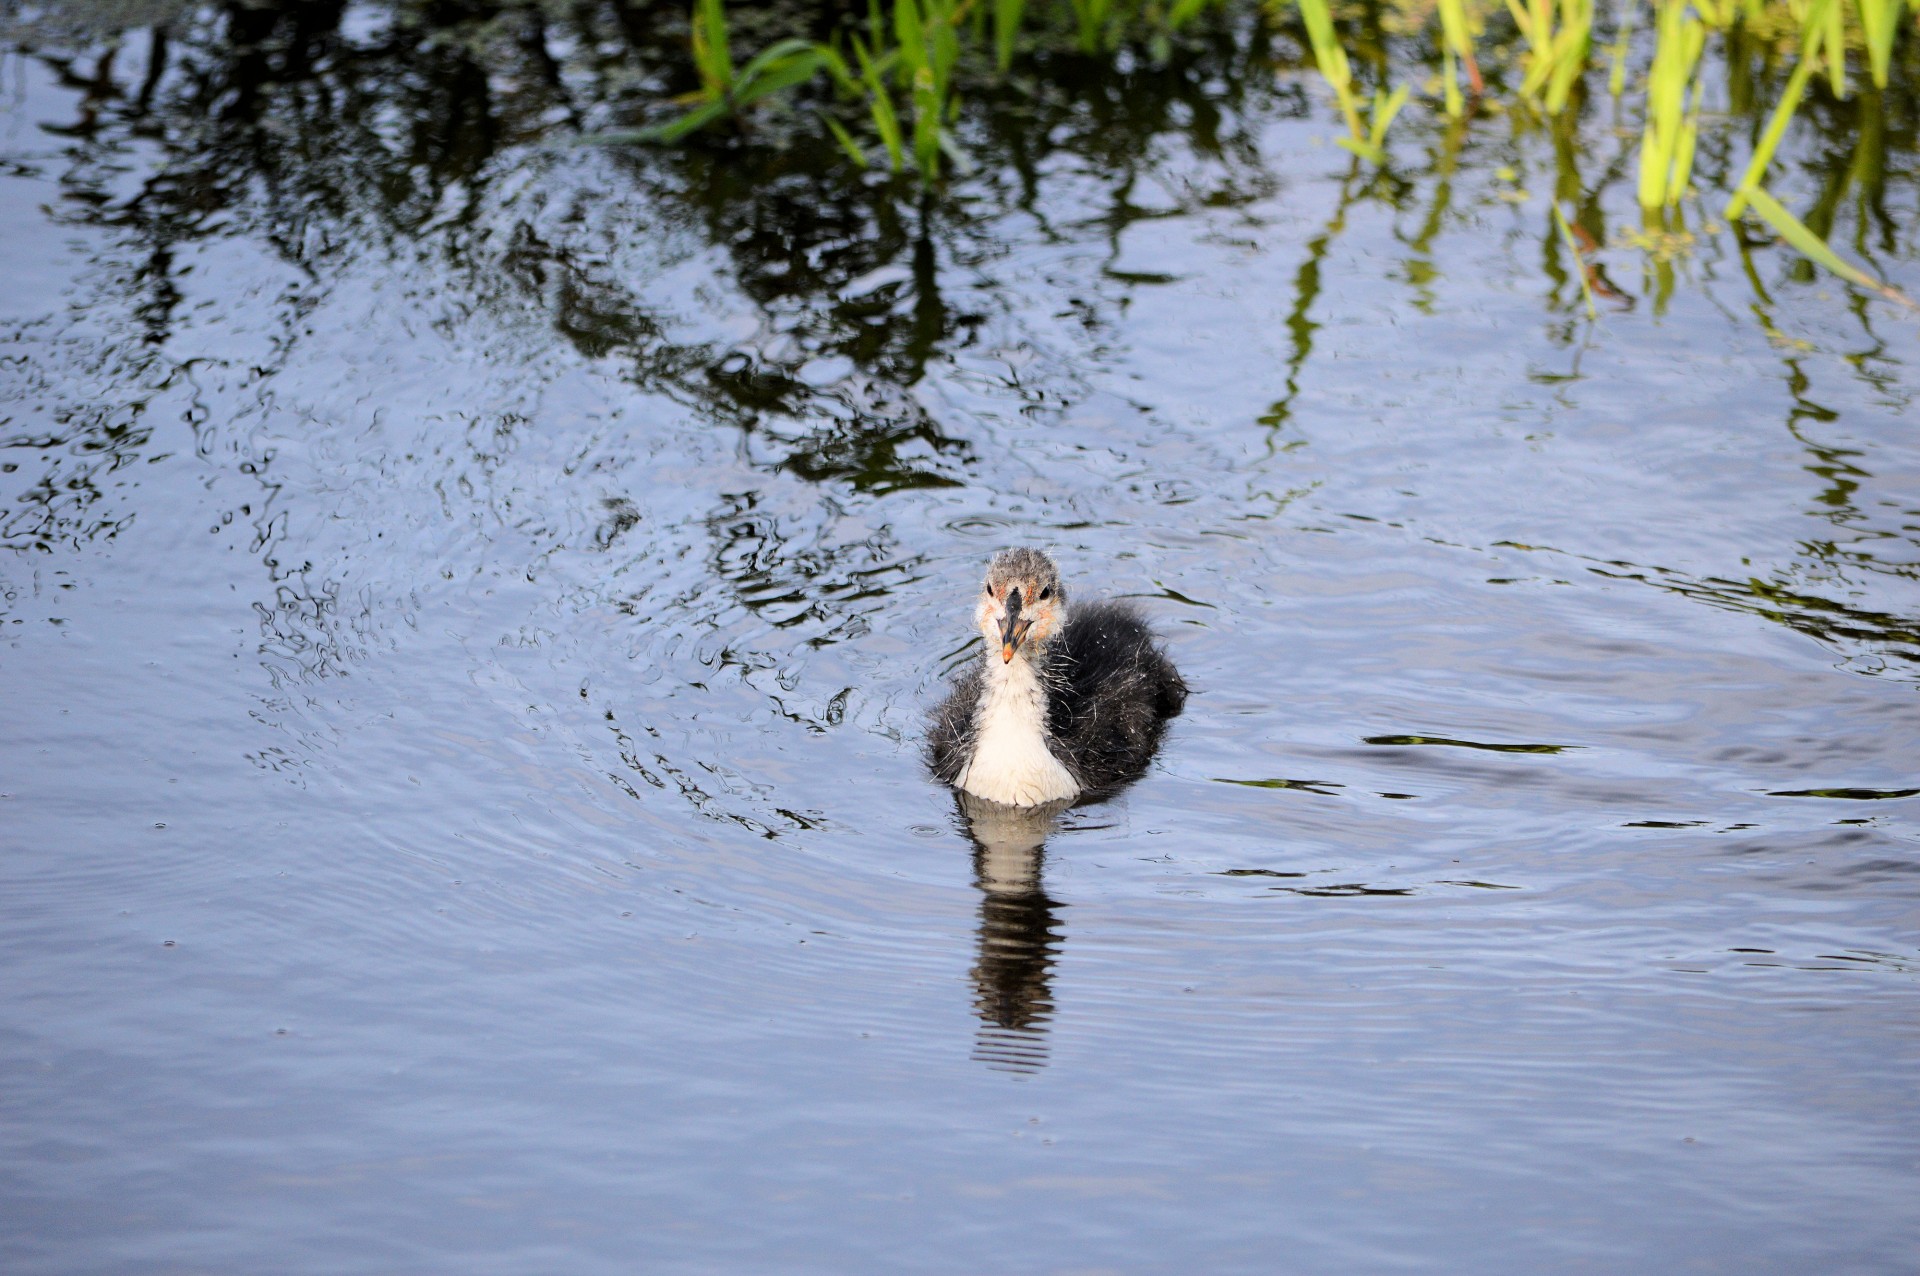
{"type": "Point", "coordinates": [1094, 19]}
{"type": "Point", "coordinates": [1558, 37]}
{"type": "Point", "coordinates": [1456, 46]}
{"type": "Point", "coordinates": [897, 72]}
{"type": "Point", "coordinates": [724, 90]}
{"type": "Point", "coordinates": [920, 62]}
{"type": "Point", "coordinates": [928, 49]}
{"type": "Point", "coordinates": [1579, 260]}
{"type": "Point", "coordinates": [1673, 107]}
{"type": "Point", "coordinates": [1879, 21]}
{"type": "Point", "coordinates": [1365, 140]}
{"type": "Point", "coordinates": [1815, 249]}
{"type": "Point", "coordinates": [1007, 15]}
{"type": "Point", "coordinates": [886, 121]}
{"type": "Point", "coordinates": [1817, 29]}
{"type": "Point", "coordinates": [1182, 12]}
{"type": "Point", "coordinates": [1617, 52]}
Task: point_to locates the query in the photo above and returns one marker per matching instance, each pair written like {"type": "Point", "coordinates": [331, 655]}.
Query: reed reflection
{"type": "Point", "coordinates": [1019, 932]}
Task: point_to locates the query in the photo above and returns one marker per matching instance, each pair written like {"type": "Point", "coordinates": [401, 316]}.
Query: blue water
{"type": "Point", "coordinates": [466, 636]}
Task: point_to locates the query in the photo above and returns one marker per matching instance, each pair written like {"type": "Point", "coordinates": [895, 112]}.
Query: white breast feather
{"type": "Point", "coordinates": [1011, 762]}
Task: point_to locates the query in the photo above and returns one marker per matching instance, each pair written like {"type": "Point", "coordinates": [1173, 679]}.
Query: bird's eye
{"type": "Point", "coordinates": [1047, 592]}
{"type": "Point", "coordinates": [989, 591]}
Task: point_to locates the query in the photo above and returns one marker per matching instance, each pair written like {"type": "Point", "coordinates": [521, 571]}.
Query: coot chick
{"type": "Point", "coordinates": [1062, 704]}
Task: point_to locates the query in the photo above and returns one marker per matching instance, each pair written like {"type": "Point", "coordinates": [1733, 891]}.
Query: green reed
{"type": "Point", "coordinates": [1812, 32]}
{"type": "Point", "coordinates": [1879, 23]}
{"type": "Point", "coordinates": [1579, 259]}
{"type": "Point", "coordinates": [725, 90]}
{"type": "Point", "coordinates": [1617, 52]}
{"type": "Point", "coordinates": [1835, 39]}
{"type": "Point", "coordinates": [906, 65]}
{"type": "Point", "coordinates": [1007, 16]}
{"type": "Point", "coordinates": [1095, 20]}
{"type": "Point", "coordinates": [1673, 106]}
{"type": "Point", "coordinates": [1457, 30]}
{"type": "Point", "coordinates": [1559, 36]}
{"type": "Point", "coordinates": [1818, 29]}
{"type": "Point", "coordinates": [1182, 12]}
{"type": "Point", "coordinates": [1815, 249]}
{"type": "Point", "coordinates": [879, 99]}
{"type": "Point", "coordinates": [929, 47]}
{"type": "Point", "coordinates": [1366, 141]}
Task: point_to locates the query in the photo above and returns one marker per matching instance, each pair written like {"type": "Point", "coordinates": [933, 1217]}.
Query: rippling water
{"type": "Point", "coordinates": [469, 604]}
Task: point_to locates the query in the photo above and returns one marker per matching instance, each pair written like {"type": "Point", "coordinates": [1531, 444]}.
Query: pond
{"type": "Point", "coordinates": [471, 602]}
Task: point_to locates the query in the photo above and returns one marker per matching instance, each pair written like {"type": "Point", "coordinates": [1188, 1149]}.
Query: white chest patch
{"type": "Point", "coordinates": [1011, 763]}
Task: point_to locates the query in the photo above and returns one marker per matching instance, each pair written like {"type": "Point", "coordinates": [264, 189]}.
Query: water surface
{"type": "Point", "coordinates": [469, 603]}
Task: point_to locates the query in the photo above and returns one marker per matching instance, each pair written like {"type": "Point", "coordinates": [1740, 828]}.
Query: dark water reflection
{"type": "Point", "coordinates": [469, 601]}
{"type": "Point", "coordinates": [1020, 931]}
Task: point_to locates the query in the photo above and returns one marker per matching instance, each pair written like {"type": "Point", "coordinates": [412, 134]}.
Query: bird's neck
{"type": "Point", "coordinates": [1011, 761]}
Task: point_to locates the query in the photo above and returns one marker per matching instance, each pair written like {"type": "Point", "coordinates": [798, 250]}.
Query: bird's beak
{"type": "Point", "coordinates": [1013, 628]}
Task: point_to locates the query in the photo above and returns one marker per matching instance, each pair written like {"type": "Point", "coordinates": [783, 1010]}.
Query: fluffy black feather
{"type": "Point", "coordinates": [1111, 690]}
{"type": "Point", "coordinates": [950, 731]}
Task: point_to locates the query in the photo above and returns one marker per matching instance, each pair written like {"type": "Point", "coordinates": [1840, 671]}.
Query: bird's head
{"type": "Point", "coordinates": [1023, 605]}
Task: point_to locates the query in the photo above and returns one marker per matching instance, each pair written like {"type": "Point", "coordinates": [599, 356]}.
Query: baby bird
{"type": "Point", "coordinates": [1061, 704]}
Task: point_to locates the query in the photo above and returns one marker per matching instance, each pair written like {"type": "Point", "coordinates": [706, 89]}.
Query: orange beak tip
{"type": "Point", "coordinates": [1006, 653]}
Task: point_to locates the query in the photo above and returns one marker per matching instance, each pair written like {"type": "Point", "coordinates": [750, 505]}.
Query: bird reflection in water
{"type": "Point", "coordinates": [1019, 933]}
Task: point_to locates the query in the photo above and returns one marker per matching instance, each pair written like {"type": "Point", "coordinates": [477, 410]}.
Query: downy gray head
{"type": "Point", "coordinates": [1023, 605]}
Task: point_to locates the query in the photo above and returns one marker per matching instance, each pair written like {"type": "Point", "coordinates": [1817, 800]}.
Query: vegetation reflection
{"type": "Point", "coordinates": [442, 134]}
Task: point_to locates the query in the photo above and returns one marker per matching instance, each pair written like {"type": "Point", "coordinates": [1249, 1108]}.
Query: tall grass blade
{"type": "Point", "coordinates": [1337, 71]}
{"type": "Point", "coordinates": [911, 33]}
{"type": "Point", "coordinates": [886, 122]}
{"type": "Point", "coordinates": [1879, 20]}
{"type": "Point", "coordinates": [673, 130]}
{"type": "Point", "coordinates": [1456, 39]}
{"type": "Point", "coordinates": [1556, 54]}
{"type": "Point", "coordinates": [1331, 58]}
{"type": "Point", "coordinates": [847, 144]}
{"type": "Point", "coordinates": [1380, 117]}
{"type": "Point", "coordinates": [1668, 140]}
{"type": "Point", "coordinates": [1579, 262]}
{"type": "Point", "coordinates": [711, 58]}
{"type": "Point", "coordinates": [926, 123]}
{"type": "Point", "coordinates": [1815, 249]}
{"type": "Point", "coordinates": [1836, 42]}
{"type": "Point", "coordinates": [1092, 16]}
{"type": "Point", "coordinates": [1570, 48]}
{"type": "Point", "coordinates": [1522, 19]}
{"type": "Point", "coordinates": [1006, 27]}
{"type": "Point", "coordinates": [778, 66]}
{"type": "Point", "coordinates": [1185, 11]}
{"type": "Point", "coordinates": [1811, 32]}
{"type": "Point", "coordinates": [1617, 74]}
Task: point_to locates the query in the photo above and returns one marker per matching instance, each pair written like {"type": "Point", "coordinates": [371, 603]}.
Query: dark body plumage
{"type": "Point", "coordinates": [1110, 690]}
